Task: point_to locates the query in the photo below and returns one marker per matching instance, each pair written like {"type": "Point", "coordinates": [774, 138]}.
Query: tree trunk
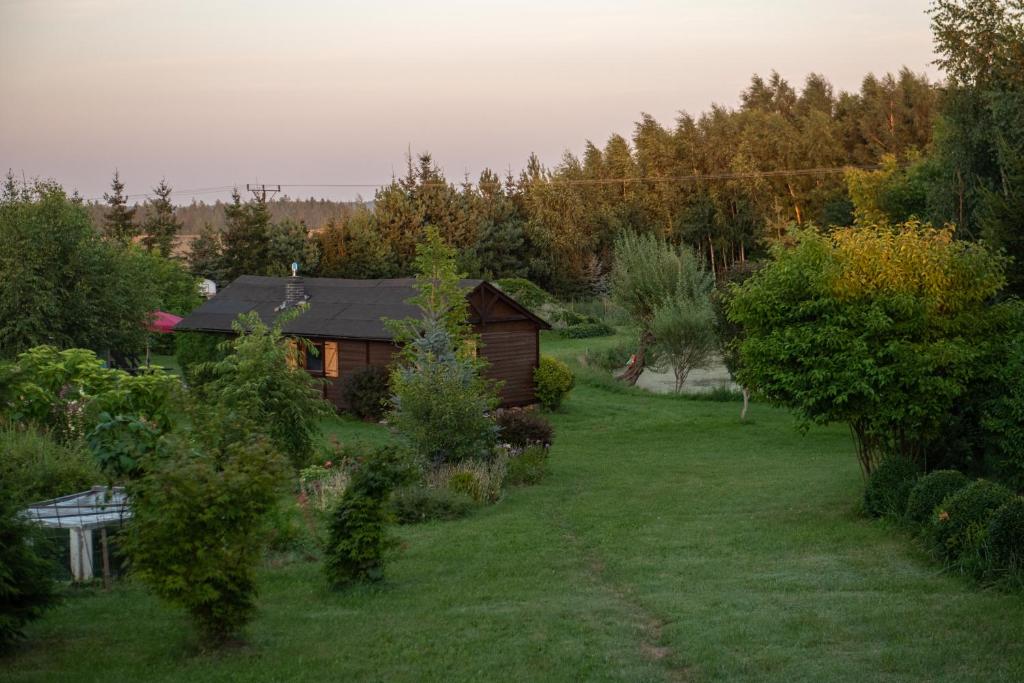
{"type": "Point", "coordinates": [681, 371]}
{"type": "Point", "coordinates": [631, 374]}
{"type": "Point", "coordinates": [746, 402]}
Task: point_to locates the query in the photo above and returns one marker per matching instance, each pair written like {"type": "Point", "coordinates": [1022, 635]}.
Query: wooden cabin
{"type": "Point", "coordinates": [345, 321]}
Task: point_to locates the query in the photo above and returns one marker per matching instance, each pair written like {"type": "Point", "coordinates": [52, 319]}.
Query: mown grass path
{"type": "Point", "coordinates": [671, 542]}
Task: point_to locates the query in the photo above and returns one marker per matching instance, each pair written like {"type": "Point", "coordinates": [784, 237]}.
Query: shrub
{"type": "Point", "coordinates": [288, 531]}
{"type": "Point", "coordinates": [26, 586]}
{"type": "Point", "coordinates": [357, 527]}
{"type": "Point", "coordinates": [1006, 537]}
{"type": "Point", "coordinates": [586, 330]}
{"type": "Point", "coordinates": [524, 291]}
{"type": "Point", "coordinates": [521, 428]}
{"type": "Point", "coordinates": [441, 403]}
{"type": "Point", "coordinates": [610, 358]}
{"type": "Point", "coordinates": [198, 515]}
{"type": "Point", "coordinates": [366, 392]}
{"type": "Point", "coordinates": [35, 467]}
{"type": "Point", "coordinates": [414, 504]}
{"type": "Point", "coordinates": [930, 490]}
{"type": "Point", "coordinates": [961, 520]}
{"type": "Point", "coordinates": [554, 380]}
{"type": "Point", "coordinates": [529, 467]}
{"type": "Point", "coordinates": [195, 349]}
{"type": "Point", "coordinates": [889, 486]}
{"type": "Point", "coordinates": [258, 381]}
{"type": "Point", "coordinates": [119, 444]}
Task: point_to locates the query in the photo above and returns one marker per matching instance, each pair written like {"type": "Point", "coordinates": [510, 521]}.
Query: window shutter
{"type": "Point", "coordinates": [331, 359]}
{"type": "Point", "coordinates": [292, 358]}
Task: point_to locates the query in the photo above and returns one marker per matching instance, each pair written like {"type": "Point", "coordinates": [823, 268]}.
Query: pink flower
{"type": "Point", "coordinates": [328, 464]}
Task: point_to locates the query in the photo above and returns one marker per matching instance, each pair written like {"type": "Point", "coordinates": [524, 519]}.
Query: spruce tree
{"type": "Point", "coordinates": [119, 223]}
{"type": "Point", "coordinates": [161, 225]}
{"type": "Point", "coordinates": [206, 255]}
{"type": "Point", "coordinates": [246, 238]}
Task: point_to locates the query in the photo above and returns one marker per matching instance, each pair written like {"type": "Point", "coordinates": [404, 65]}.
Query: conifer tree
{"type": "Point", "coordinates": [119, 225]}
{"type": "Point", "coordinates": [246, 238]}
{"type": "Point", "coordinates": [161, 225]}
{"type": "Point", "coordinates": [206, 255]}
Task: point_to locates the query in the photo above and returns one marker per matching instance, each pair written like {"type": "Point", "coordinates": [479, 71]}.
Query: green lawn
{"type": "Point", "coordinates": [671, 542]}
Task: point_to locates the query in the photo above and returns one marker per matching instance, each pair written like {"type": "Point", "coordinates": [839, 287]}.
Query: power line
{"type": "Point", "coordinates": [730, 175]}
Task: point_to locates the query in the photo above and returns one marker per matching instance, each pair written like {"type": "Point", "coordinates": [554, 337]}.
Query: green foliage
{"type": "Point", "coordinates": [881, 329]}
{"type": "Point", "coordinates": [47, 242]}
{"type": "Point", "coordinates": [256, 382]}
{"type": "Point", "coordinates": [960, 522]}
{"type": "Point", "coordinates": [554, 380]}
{"type": "Point", "coordinates": [525, 292]}
{"type": "Point", "coordinates": [34, 467]}
{"type": "Point", "coordinates": [1005, 536]}
{"type": "Point", "coordinates": [245, 242]}
{"type": "Point", "coordinates": [66, 391]}
{"type": "Point", "coordinates": [664, 289]}
{"type": "Point", "coordinates": [441, 404]}
{"type": "Point", "coordinates": [889, 487]}
{"type": "Point", "coordinates": [415, 504]}
{"type": "Point", "coordinates": [586, 330]}
{"type": "Point", "coordinates": [684, 334]}
{"type": "Point", "coordinates": [161, 226]}
{"type": "Point", "coordinates": [610, 358]}
{"type": "Point", "coordinates": [357, 527]}
{"type": "Point", "coordinates": [119, 444]}
{"type": "Point", "coordinates": [198, 516]}
{"type": "Point", "coordinates": [26, 586]}
{"type": "Point", "coordinates": [441, 401]}
{"type": "Point", "coordinates": [290, 243]}
{"type": "Point", "coordinates": [119, 223]}
{"type": "Point", "coordinates": [930, 490]}
{"type": "Point", "coordinates": [522, 428]}
{"type": "Point", "coordinates": [193, 350]}
{"type": "Point", "coordinates": [206, 254]}
{"type": "Point", "coordinates": [528, 468]}
{"type": "Point", "coordinates": [367, 391]}
{"type": "Point", "coordinates": [1002, 415]}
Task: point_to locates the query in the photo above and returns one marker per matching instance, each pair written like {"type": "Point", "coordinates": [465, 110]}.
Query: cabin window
{"type": "Point", "coordinates": [315, 358]}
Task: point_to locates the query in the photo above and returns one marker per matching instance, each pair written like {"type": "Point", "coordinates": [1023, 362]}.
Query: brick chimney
{"type": "Point", "coordinates": [294, 292]}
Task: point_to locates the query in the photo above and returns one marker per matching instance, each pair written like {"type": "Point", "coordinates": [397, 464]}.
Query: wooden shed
{"type": "Point", "coordinates": [345, 321]}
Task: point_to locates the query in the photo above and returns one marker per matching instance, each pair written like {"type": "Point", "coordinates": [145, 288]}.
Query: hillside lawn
{"type": "Point", "coordinates": [670, 542]}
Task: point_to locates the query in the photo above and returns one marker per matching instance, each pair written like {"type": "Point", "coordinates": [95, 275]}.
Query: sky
{"type": "Point", "coordinates": [216, 93]}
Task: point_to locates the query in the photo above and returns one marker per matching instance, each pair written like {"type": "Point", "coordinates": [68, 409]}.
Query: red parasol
{"type": "Point", "coordinates": [163, 322]}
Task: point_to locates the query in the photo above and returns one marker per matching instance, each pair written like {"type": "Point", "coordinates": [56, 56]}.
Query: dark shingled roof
{"type": "Point", "coordinates": [342, 309]}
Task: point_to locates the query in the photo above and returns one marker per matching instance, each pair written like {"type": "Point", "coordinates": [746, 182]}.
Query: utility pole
{"type": "Point", "coordinates": [259, 191]}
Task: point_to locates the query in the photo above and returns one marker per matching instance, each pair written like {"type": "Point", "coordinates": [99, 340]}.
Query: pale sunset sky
{"type": "Point", "coordinates": [212, 93]}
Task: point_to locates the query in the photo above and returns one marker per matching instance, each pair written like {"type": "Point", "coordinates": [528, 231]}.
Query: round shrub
{"type": "Point", "coordinates": [1006, 537]}
{"type": "Point", "coordinates": [930, 490]}
{"type": "Point", "coordinates": [610, 358]}
{"type": "Point", "coordinates": [367, 392]}
{"type": "Point", "coordinates": [889, 487]}
{"type": "Point", "coordinates": [521, 428]}
{"type": "Point", "coordinates": [554, 380]}
{"type": "Point", "coordinates": [961, 520]}
{"type": "Point", "coordinates": [415, 504]}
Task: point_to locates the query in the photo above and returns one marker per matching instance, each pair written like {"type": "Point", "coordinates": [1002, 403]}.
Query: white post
{"type": "Point", "coordinates": [80, 540]}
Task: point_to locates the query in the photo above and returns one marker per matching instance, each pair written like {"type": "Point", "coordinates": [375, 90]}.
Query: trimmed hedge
{"type": "Point", "coordinates": [1006, 537]}
{"type": "Point", "coordinates": [587, 330]}
{"type": "Point", "coordinates": [961, 521]}
{"type": "Point", "coordinates": [930, 490]}
{"type": "Point", "coordinates": [889, 487]}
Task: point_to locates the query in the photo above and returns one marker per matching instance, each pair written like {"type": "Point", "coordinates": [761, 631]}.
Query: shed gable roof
{"type": "Point", "coordinates": [339, 308]}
